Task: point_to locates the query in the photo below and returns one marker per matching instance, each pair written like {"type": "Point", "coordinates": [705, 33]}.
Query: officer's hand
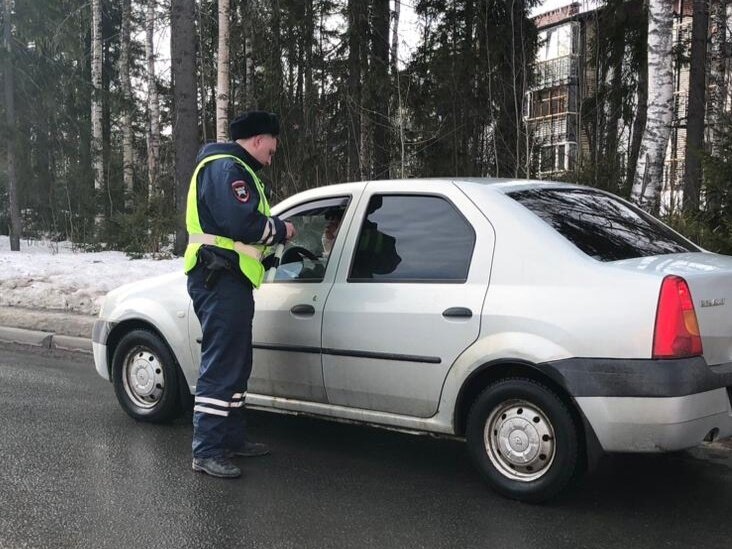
{"type": "Point", "coordinates": [291, 231]}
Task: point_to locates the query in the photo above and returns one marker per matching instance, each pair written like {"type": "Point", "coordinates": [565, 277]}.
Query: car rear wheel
{"type": "Point", "coordinates": [145, 377]}
{"type": "Point", "coordinates": [523, 439]}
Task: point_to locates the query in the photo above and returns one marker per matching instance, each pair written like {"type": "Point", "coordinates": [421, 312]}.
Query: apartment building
{"type": "Point", "coordinates": [564, 77]}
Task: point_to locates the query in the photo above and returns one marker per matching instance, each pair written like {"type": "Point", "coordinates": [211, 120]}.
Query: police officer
{"type": "Point", "coordinates": [229, 229]}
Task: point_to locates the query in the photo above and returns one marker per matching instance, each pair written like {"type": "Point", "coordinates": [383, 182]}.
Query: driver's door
{"type": "Point", "coordinates": [289, 305]}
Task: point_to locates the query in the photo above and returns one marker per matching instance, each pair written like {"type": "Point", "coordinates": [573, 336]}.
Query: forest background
{"type": "Point", "coordinates": [99, 137]}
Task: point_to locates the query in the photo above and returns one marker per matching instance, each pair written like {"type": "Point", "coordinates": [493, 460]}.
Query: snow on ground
{"type": "Point", "coordinates": [50, 275]}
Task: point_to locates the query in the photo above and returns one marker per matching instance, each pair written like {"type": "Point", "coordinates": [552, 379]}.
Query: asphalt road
{"type": "Point", "coordinates": [75, 471]}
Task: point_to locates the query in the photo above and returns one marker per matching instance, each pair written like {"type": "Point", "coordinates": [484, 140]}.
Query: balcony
{"type": "Point", "coordinates": [556, 72]}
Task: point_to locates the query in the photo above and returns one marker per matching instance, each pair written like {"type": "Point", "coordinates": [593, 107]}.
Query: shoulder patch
{"type": "Point", "coordinates": [241, 191]}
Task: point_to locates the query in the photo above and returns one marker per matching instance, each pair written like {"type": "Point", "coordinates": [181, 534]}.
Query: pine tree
{"type": "Point", "coordinates": [697, 107]}
{"type": "Point", "coordinates": [185, 117]}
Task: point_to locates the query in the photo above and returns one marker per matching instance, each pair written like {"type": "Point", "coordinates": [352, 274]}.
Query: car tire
{"type": "Point", "coordinates": [145, 377]}
{"type": "Point", "coordinates": [522, 438]}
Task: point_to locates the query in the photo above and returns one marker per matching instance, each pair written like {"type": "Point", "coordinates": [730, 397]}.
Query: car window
{"type": "Point", "coordinates": [306, 256]}
{"type": "Point", "coordinates": [602, 226]}
{"type": "Point", "coordinates": [412, 238]}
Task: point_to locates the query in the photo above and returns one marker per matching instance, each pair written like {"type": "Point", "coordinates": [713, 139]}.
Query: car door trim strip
{"type": "Point", "coordinates": [349, 353]}
{"type": "Point", "coordinates": [288, 348]}
{"type": "Point", "coordinates": [383, 356]}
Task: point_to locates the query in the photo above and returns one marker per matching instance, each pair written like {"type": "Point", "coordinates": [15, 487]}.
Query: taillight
{"type": "Point", "coordinates": [677, 330]}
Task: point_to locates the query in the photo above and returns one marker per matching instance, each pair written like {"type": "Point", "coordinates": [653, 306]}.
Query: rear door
{"type": "Point", "coordinates": [407, 297]}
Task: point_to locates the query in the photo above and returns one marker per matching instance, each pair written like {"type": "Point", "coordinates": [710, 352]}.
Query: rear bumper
{"type": "Point", "coordinates": [649, 424]}
{"type": "Point", "coordinates": [649, 405]}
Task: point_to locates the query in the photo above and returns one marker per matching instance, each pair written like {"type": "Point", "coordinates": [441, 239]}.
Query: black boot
{"type": "Point", "coordinates": [216, 467]}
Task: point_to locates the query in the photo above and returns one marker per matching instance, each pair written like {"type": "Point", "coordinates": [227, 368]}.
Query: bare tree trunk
{"type": "Point", "coordinates": [96, 103]}
{"type": "Point", "coordinates": [379, 85]}
{"type": "Point", "coordinates": [517, 101]}
{"type": "Point", "coordinates": [356, 30]}
{"type": "Point", "coordinates": [202, 72]}
{"type": "Point", "coordinates": [128, 173]}
{"type": "Point", "coordinates": [222, 80]}
{"type": "Point", "coordinates": [639, 122]}
{"type": "Point", "coordinates": [697, 104]}
{"type": "Point", "coordinates": [649, 172]}
{"type": "Point", "coordinates": [615, 100]}
{"type": "Point", "coordinates": [276, 69]}
{"type": "Point", "coordinates": [397, 111]}
{"type": "Point", "coordinates": [13, 205]}
{"type": "Point", "coordinates": [395, 37]}
{"type": "Point", "coordinates": [185, 115]}
{"type": "Point", "coordinates": [718, 83]}
{"type": "Point", "coordinates": [153, 105]}
{"type": "Point", "coordinates": [249, 54]}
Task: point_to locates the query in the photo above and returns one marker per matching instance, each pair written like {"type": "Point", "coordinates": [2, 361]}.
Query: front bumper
{"type": "Point", "coordinates": [100, 333]}
{"type": "Point", "coordinates": [650, 405]}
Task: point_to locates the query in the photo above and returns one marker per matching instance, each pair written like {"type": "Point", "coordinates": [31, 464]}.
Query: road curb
{"type": "Point", "coordinates": [26, 337]}
{"type": "Point", "coordinates": [71, 343]}
{"type": "Point", "coordinates": [46, 340]}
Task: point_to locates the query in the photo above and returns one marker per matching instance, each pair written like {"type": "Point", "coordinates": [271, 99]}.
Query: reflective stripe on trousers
{"type": "Point", "coordinates": [225, 313]}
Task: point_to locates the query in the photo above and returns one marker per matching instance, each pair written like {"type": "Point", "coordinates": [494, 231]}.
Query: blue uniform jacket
{"type": "Point", "coordinates": [228, 200]}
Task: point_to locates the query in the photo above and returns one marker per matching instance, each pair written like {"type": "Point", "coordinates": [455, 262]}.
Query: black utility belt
{"type": "Point", "coordinates": [216, 265]}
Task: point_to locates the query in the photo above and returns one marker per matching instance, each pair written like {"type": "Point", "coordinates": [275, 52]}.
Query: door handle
{"type": "Point", "coordinates": [457, 312]}
{"type": "Point", "coordinates": [303, 310]}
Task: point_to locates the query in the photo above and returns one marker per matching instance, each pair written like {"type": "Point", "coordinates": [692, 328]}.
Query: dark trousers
{"type": "Point", "coordinates": [225, 312]}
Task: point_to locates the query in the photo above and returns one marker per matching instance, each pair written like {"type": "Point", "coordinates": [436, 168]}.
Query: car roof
{"type": "Point", "coordinates": [507, 185]}
{"type": "Point", "coordinates": [500, 184]}
{"type": "Point", "coordinates": [497, 184]}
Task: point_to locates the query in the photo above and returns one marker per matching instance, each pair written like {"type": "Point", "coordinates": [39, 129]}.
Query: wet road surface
{"type": "Point", "coordinates": [77, 472]}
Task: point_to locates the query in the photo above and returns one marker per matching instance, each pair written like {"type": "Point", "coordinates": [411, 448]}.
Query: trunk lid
{"type": "Point", "coordinates": [709, 277]}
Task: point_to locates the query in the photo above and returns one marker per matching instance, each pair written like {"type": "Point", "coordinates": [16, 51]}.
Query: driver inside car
{"type": "Point", "coordinates": [306, 257]}
{"type": "Point", "coordinates": [333, 218]}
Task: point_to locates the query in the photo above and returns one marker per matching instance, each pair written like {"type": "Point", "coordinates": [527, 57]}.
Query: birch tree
{"type": "Point", "coordinates": [395, 35]}
{"type": "Point", "coordinates": [153, 103]}
{"type": "Point", "coordinates": [649, 171]}
{"type": "Point", "coordinates": [10, 119]}
{"type": "Point", "coordinates": [96, 98]}
{"type": "Point", "coordinates": [124, 75]}
{"type": "Point", "coordinates": [222, 80]}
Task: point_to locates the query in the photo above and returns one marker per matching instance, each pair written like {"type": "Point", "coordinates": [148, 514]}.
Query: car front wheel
{"type": "Point", "coordinates": [145, 377]}
{"type": "Point", "coordinates": [523, 439]}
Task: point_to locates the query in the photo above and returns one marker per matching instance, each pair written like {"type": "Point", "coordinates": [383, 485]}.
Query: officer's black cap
{"type": "Point", "coordinates": [254, 123]}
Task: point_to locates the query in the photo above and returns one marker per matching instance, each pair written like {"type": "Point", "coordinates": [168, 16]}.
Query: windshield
{"type": "Point", "coordinates": [601, 225]}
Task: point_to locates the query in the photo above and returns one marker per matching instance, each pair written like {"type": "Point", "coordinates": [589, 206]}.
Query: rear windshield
{"type": "Point", "coordinates": [601, 225]}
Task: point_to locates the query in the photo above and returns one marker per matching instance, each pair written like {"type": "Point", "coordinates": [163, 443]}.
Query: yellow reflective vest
{"type": "Point", "coordinates": [250, 255]}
